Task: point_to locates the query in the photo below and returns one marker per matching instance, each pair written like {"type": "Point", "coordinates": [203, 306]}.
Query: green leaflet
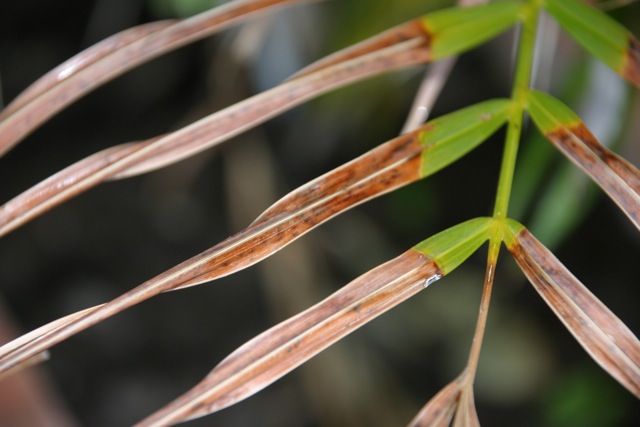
{"type": "Point", "coordinates": [453, 246]}
{"type": "Point", "coordinates": [449, 137]}
{"type": "Point", "coordinates": [548, 113]}
{"type": "Point", "coordinates": [601, 35]}
{"type": "Point", "coordinates": [456, 30]}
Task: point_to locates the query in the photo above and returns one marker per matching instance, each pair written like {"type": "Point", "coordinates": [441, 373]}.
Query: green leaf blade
{"type": "Point", "coordinates": [456, 30]}
{"type": "Point", "coordinates": [549, 113]}
{"type": "Point", "coordinates": [453, 246]}
{"type": "Point", "coordinates": [449, 137]}
{"type": "Point", "coordinates": [601, 35]}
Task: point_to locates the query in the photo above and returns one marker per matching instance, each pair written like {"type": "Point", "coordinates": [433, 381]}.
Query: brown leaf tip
{"type": "Point", "coordinates": [631, 68]}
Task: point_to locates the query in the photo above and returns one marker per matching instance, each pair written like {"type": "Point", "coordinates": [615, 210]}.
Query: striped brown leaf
{"type": "Point", "coordinates": [284, 347]}
{"type": "Point", "coordinates": [605, 337]}
{"type": "Point", "coordinates": [111, 58]}
{"type": "Point", "coordinates": [394, 164]}
{"type": "Point", "coordinates": [141, 157]}
{"type": "Point", "coordinates": [439, 411]}
{"type": "Point", "coordinates": [616, 176]}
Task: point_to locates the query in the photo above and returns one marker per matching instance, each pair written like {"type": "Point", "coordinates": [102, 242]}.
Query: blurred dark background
{"type": "Point", "coordinates": [112, 238]}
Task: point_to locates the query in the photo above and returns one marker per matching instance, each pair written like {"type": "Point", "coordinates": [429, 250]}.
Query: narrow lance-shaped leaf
{"type": "Point", "coordinates": [403, 46]}
{"type": "Point", "coordinates": [607, 340]}
{"type": "Point", "coordinates": [601, 35]}
{"type": "Point", "coordinates": [438, 143]}
{"type": "Point", "coordinates": [617, 177]}
{"type": "Point", "coordinates": [111, 58]}
{"type": "Point", "coordinates": [286, 346]}
{"type": "Point", "coordinates": [136, 158]}
{"type": "Point", "coordinates": [383, 169]}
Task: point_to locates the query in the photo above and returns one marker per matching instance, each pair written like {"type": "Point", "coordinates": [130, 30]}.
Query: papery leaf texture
{"type": "Point", "coordinates": [111, 58]}
{"type": "Point", "coordinates": [381, 170]}
{"type": "Point", "coordinates": [284, 347]}
{"type": "Point", "coordinates": [601, 35]}
{"type": "Point", "coordinates": [135, 158]}
{"type": "Point", "coordinates": [616, 176]}
{"type": "Point", "coordinates": [603, 335]}
{"type": "Point", "coordinates": [439, 411]}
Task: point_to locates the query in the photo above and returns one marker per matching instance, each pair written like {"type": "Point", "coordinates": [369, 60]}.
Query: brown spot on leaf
{"type": "Point", "coordinates": [619, 165]}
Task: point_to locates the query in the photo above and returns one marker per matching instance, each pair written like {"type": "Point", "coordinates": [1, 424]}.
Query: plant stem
{"type": "Point", "coordinates": [519, 92]}
{"type": "Point", "coordinates": [518, 95]}
{"type": "Point", "coordinates": [476, 345]}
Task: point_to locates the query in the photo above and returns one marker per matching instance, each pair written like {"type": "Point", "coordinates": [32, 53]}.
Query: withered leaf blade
{"type": "Point", "coordinates": [111, 58]}
{"type": "Point", "coordinates": [284, 347]}
{"type": "Point", "coordinates": [616, 176]}
{"type": "Point", "coordinates": [439, 411]}
{"type": "Point", "coordinates": [454, 405]}
{"type": "Point", "coordinates": [136, 158]}
{"type": "Point", "coordinates": [26, 338]}
{"type": "Point", "coordinates": [466, 414]}
{"type": "Point", "coordinates": [81, 61]}
{"type": "Point", "coordinates": [281, 349]}
{"type": "Point", "coordinates": [383, 169]}
{"type": "Point", "coordinates": [607, 340]}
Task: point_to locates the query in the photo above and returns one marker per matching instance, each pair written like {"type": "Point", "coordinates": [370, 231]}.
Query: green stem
{"type": "Point", "coordinates": [518, 95]}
